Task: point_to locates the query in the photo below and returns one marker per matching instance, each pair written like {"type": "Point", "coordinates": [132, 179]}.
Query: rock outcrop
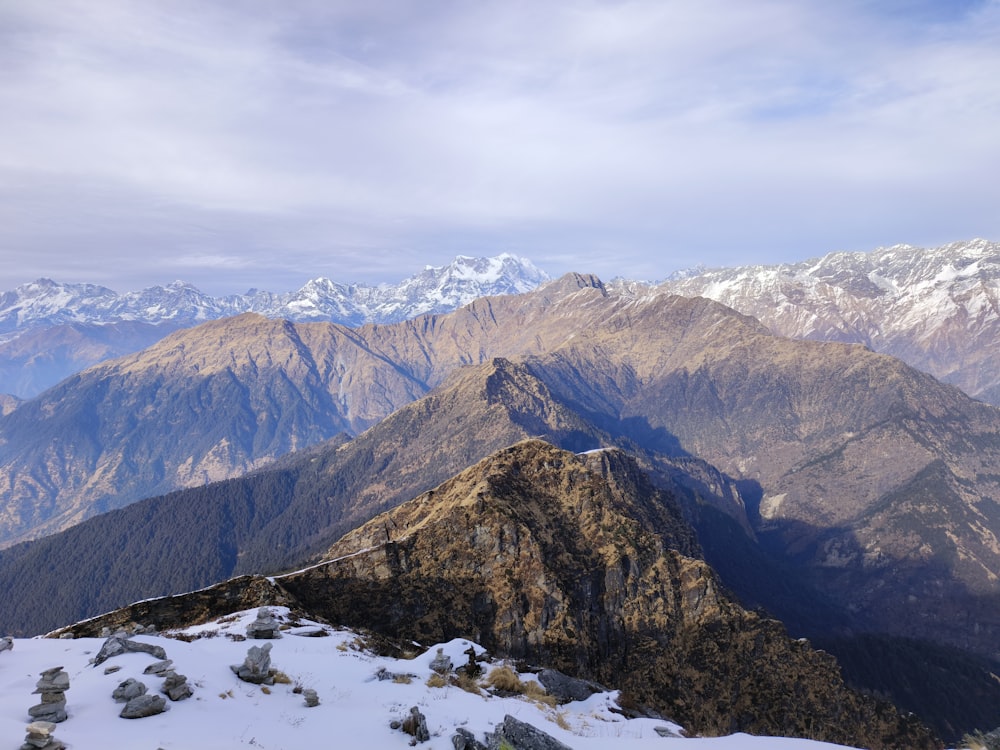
{"type": "Point", "coordinates": [518, 735]}
{"type": "Point", "coordinates": [570, 561]}
{"type": "Point", "coordinates": [119, 643]}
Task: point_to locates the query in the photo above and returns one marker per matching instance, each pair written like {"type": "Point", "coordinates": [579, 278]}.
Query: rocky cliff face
{"type": "Point", "coordinates": [936, 309]}
{"type": "Point", "coordinates": [577, 562]}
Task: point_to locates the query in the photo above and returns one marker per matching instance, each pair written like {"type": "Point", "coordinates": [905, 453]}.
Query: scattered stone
{"type": "Point", "coordinates": [415, 725]}
{"type": "Point", "coordinates": [127, 690]}
{"type": "Point", "coordinates": [176, 687]}
{"type": "Point", "coordinates": [256, 668]}
{"type": "Point", "coordinates": [565, 688]}
{"type": "Point", "coordinates": [383, 674]}
{"type": "Point", "coordinates": [66, 636]}
{"type": "Point", "coordinates": [40, 737]}
{"type": "Point", "coordinates": [463, 739]}
{"type": "Point", "coordinates": [311, 698]}
{"type": "Point", "coordinates": [119, 643]}
{"type": "Point", "coordinates": [265, 626]}
{"type": "Point", "coordinates": [441, 663]}
{"type": "Point", "coordinates": [6, 643]}
{"type": "Point", "coordinates": [517, 735]}
{"type": "Point", "coordinates": [52, 687]}
{"type": "Point", "coordinates": [112, 669]}
{"type": "Point", "coordinates": [144, 705]}
{"type": "Point", "coordinates": [666, 732]}
{"type": "Point", "coordinates": [159, 668]}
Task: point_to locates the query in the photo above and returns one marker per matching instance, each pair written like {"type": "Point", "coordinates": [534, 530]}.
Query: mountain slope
{"type": "Point", "coordinates": [936, 309]}
{"type": "Point", "coordinates": [48, 330]}
{"type": "Point", "coordinates": [577, 562]}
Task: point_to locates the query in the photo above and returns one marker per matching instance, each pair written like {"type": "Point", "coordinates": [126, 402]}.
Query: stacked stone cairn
{"type": "Point", "coordinates": [40, 737]}
{"type": "Point", "coordinates": [52, 687]}
{"type": "Point", "coordinates": [256, 668]}
{"type": "Point", "coordinates": [264, 627]}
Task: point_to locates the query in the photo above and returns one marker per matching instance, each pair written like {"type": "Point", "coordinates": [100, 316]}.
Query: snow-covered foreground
{"type": "Point", "coordinates": [355, 708]}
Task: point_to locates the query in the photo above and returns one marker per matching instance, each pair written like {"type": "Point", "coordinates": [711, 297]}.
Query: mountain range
{"type": "Point", "coordinates": [936, 309]}
{"type": "Point", "coordinates": [839, 489]}
{"type": "Point", "coordinates": [849, 495]}
{"type": "Point", "coordinates": [50, 330]}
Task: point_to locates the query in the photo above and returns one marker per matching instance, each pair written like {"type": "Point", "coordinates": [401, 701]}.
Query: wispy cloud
{"type": "Point", "coordinates": [335, 134]}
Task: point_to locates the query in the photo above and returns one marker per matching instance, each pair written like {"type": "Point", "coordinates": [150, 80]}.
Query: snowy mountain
{"type": "Point", "coordinates": [50, 330]}
{"type": "Point", "coordinates": [936, 309]}
{"type": "Point", "coordinates": [364, 697]}
{"type": "Point", "coordinates": [435, 289]}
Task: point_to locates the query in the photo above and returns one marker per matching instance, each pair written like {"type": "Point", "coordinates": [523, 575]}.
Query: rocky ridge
{"type": "Point", "coordinates": [937, 309]}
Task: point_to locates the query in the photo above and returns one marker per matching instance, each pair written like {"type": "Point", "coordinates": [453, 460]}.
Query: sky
{"type": "Point", "coordinates": [261, 144]}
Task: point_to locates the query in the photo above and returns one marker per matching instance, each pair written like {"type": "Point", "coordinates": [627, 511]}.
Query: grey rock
{"type": "Point", "coordinates": [112, 669]}
{"type": "Point", "coordinates": [415, 725]}
{"type": "Point", "coordinates": [40, 737]}
{"type": "Point", "coordinates": [176, 687]}
{"type": "Point", "coordinates": [119, 643]}
{"type": "Point", "coordinates": [565, 688]}
{"type": "Point", "coordinates": [517, 735]}
{"type": "Point", "coordinates": [53, 712]}
{"type": "Point", "coordinates": [127, 690]}
{"type": "Point", "coordinates": [53, 680]}
{"type": "Point", "coordinates": [6, 643]}
{"type": "Point", "coordinates": [256, 668]}
{"type": "Point", "coordinates": [265, 626]}
{"type": "Point", "coordinates": [441, 663]}
{"type": "Point", "coordinates": [311, 698]}
{"type": "Point", "coordinates": [144, 705]}
{"type": "Point", "coordinates": [463, 739]}
{"type": "Point", "coordinates": [159, 667]}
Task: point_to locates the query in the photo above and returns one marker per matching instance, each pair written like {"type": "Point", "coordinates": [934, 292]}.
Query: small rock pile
{"type": "Point", "coordinates": [6, 643]}
{"type": "Point", "coordinates": [40, 737]}
{"type": "Point", "coordinates": [265, 626]}
{"type": "Point", "coordinates": [311, 698]}
{"type": "Point", "coordinates": [414, 725]}
{"type": "Point", "coordinates": [138, 703]}
{"type": "Point", "coordinates": [52, 687]}
{"type": "Point", "coordinates": [441, 663]}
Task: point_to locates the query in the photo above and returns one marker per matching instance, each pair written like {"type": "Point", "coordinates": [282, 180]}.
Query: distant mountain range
{"type": "Point", "coordinates": [50, 330]}
{"type": "Point", "coordinates": [936, 309]}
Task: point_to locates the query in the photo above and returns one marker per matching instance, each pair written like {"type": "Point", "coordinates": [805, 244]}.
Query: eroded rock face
{"type": "Point", "coordinates": [572, 562]}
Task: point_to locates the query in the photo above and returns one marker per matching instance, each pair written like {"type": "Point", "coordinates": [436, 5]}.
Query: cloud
{"type": "Point", "coordinates": [370, 131]}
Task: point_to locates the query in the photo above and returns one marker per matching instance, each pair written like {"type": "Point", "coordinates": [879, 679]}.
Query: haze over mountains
{"type": "Point", "coordinates": [841, 490]}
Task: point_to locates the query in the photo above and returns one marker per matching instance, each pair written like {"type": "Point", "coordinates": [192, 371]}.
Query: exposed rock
{"type": "Point", "coordinates": [159, 668]}
{"type": "Point", "coordinates": [463, 739]}
{"type": "Point", "coordinates": [256, 668]}
{"type": "Point", "coordinates": [127, 690]}
{"type": "Point", "coordinates": [119, 643]}
{"type": "Point", "coordinates": [176, 687]}
{"type": "Point", "coordinates": [148, 704]}
{"type": "Point", "coordinates": [416, 725]}
{"type": "Point", "coordinates": [40, 737]}
{"type": "Point", "coordinates": [517, 735]}
{"type": "Point", "coordinates": [570, 561]}
{"type": "Point", "coordinates": [565, 688]}
{"type": "Point", "coordinates": [471, 668]}
{"type": "Point", "coordinates": [311, 698]}
{"type": "Point", "coordinates": [111, 669]}
{"type": "Point", "coordinates": [265, 626]}
{"type": "Point", "coordinates": [441, 663]}
{"type": "Point", "coordinates": [6, 644]}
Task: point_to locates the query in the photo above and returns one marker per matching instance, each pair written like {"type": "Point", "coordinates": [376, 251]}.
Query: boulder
{"type": "Point", "coordinates": [144, 705]}
{"type": "Point", "coordinates": [512, 734]}
{"type": "Point", "coordinates": [159, 668]}
{"type": "Point", "coordinates": [120, 643]}
{"type": "Point", "coordinates": [176, 687]}
{"type": "Point", "coordinates": [127, 690]}
{"type": "Point", "coordinates": [565, 688]}
{"type": "Point", "coordinates": [463, 739]}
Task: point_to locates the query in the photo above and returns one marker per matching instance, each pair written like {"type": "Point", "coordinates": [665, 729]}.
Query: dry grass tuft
{"type": "Point", "coordinates": [437, 680]}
